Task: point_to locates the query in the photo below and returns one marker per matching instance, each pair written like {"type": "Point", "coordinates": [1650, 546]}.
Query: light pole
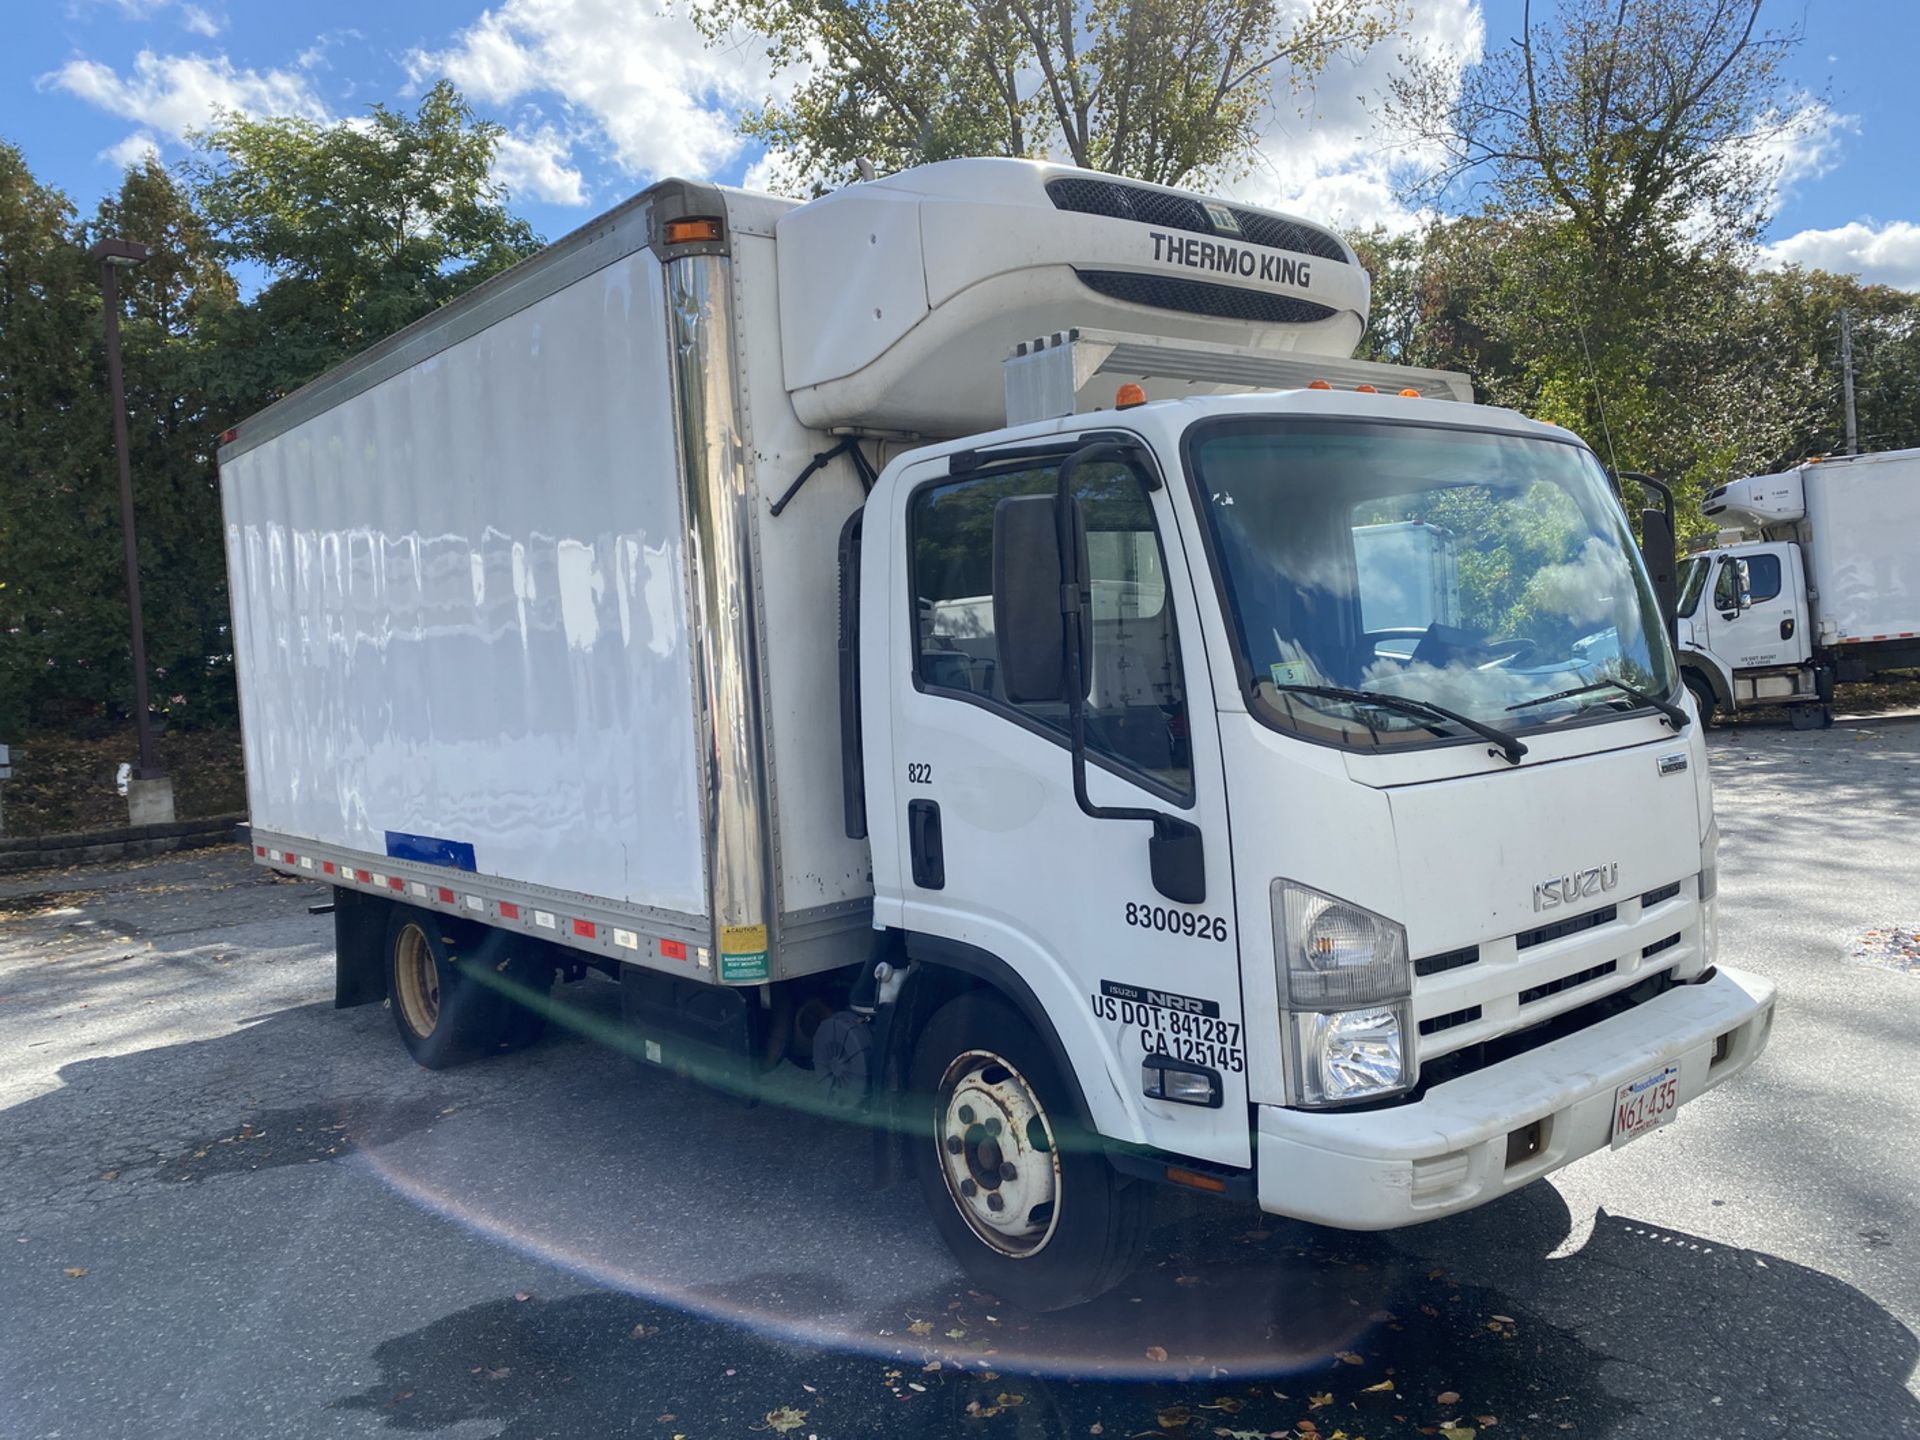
{"type": "Point", "coordinates": [112, 256]}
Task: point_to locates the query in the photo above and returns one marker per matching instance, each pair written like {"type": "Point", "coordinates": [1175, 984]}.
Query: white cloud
{"type": "Point", "coordinates": [536, 165]}
{"type": "Point", "coordinates": [131, 152]}
{"type": "Point", "coordinates": [201, 22]}
{"type": "Point", "coordinates": [1879, 254]}
{"type": "Point", "coordinates": [664, 101]}
{"type": "Point", "coordinates": [172, 94]}
{"type": "Point", "coordinates": [1332, 156]}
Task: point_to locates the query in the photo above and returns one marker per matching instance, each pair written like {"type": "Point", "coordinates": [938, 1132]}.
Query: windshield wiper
{"type": "Point", "coordinates": [1511, 747]}
{"type": "Point", "coordinates": [1673, 714]}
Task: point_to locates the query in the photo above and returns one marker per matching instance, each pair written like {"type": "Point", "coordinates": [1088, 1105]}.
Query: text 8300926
{"type": "Point", "coordinates": [1170, 921]}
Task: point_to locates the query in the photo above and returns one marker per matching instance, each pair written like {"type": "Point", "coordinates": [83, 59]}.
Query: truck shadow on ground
{"type": "Point", "coordinates": [1236, 1323]}
{"type": "Point", "coordinates": [1346, 1334]}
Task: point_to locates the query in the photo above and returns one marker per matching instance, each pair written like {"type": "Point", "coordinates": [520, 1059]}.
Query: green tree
{"type": "Point", "coordinates": [176, 304]}
{"type": "Point", "coordinates": [360, 229]}
{"type": "Point", "coordinates": [1162, 90]}
{"type": "Point", "coordinates": [54, 501]}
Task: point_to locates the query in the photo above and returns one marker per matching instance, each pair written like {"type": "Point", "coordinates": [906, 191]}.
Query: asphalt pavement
{"type": "Point", "coordinates": [227, 1209]}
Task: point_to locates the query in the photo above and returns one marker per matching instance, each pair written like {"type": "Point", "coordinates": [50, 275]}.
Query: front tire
{"type": "Point", "coordinates": [1014, 1178]}
{"type": "Point", "coordinates": [1702, 695]}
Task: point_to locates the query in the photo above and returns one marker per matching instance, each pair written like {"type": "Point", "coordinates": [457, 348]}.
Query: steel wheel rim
{"type": "Point", "coordinates": [996, 1149]}
{"type": "Point", "coordinates": [416, 981]}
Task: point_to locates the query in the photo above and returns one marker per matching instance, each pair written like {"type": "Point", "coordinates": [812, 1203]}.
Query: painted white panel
{"type": "Point", "coordinates": [1863, 515]}
{"type": "Point", "coordinates": [798, 558]}
{"type": "Point", "coordinates": [459, 606]}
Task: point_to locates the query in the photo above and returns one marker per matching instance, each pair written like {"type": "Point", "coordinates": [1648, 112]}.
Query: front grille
{"type": "Point", "coordinates": [1438, 1023]}
{"type": "Point", "coordinates": [1197, 297]}
{"type": "Point", "coordinates": [1657, 946]}
{"type": "Point", "coordinates": [1660, 896]}
{"type": "Point", "coordinates": [1449, 960]}
{"type": "Point", "coordinates": [1562, 928]}
{"type": "Point", "coordinates": [1088, 196]}
{"type": "Point", "coordinates": [1567, 982]}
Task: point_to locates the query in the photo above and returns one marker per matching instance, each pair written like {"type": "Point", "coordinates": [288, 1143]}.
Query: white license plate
{"type": "Point", "coordinates": [1645, 1104]}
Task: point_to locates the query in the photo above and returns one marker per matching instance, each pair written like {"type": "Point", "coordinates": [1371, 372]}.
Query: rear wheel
{"type": "Point", "coordinates": [1014, 1178]}
{"type": "Point", "coordinates": [444, 1016]}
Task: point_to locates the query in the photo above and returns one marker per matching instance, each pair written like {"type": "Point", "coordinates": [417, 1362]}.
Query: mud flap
{"type": "Point", "coordinates": [359, 948]}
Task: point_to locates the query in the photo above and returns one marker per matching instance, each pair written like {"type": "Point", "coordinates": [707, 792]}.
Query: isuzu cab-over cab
{"type": "Point", "coordinates": [1249, 769]}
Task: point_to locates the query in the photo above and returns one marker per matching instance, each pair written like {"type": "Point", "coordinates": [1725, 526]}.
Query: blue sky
{"type": "Point", "coordinates": [601, 96]}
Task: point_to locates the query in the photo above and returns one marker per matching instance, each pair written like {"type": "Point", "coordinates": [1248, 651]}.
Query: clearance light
{"type": "Point", "coordinates": [1318, 385]}
{"type": "Point", "coordinates": [1128, 396]}
{"type": "Point", "coordinates": [1194, 1180]}
{"type": "Point", "coordinates": [1410, 394]}
{"type": "Point", "coordinates": [227, 437]}
{"type": "Point", "coordinates": [1365, 390]}
{"type": "Point", "coordinates": [692, 232]}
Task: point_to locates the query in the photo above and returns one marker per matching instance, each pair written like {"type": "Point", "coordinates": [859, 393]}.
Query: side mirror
{"type": "Point", "coordinates": [1657, 551]}
{"type": "Point", "coordinates": [1029, 632]}
{"type": "Point", "coordinates": [1743, 585]}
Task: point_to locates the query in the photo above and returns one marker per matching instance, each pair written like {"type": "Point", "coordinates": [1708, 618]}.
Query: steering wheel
{"type": "Point", "coordinates": [1413, 633]}
{"type": "Point", "coordinates": [1505, 652]}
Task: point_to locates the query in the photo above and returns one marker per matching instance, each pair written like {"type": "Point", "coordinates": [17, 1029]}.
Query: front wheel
{"type": "Point", "coordinates": [1702, 695]}
{"type": "Point", "coordinates": [1016, 1182]}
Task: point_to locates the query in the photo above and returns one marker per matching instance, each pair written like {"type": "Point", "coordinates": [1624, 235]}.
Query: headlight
{"type": "Point", "coordinates": [1343, 1055]}
{"type": "Point", "coordinates": [1346, 979]}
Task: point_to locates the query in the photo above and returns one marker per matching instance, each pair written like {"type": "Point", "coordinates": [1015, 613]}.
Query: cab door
{"type": "Point", "coordinates": [1757, 612]}
{"type": "Point", "coordinates": [995, 854]}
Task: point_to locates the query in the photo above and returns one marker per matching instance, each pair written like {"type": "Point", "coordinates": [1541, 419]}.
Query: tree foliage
{"type": "Point", "coordinates": [1162, 90]}
{"type": "Point", "coordinates": [352, 230]}
{"type": "Point", "coordinates": [360, 228]}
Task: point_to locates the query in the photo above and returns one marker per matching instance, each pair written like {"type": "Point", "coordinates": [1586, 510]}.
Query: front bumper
{"type": "Point", "coordinates": [1450, 1151]}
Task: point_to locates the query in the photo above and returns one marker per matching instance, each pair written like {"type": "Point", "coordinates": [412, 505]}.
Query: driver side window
{"type": "Point", "coordinates": [1136, 710]}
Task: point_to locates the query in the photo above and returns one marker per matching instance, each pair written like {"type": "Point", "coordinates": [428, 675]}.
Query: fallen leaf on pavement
{"type": "Point", "coordinates": [1447, 1397]}
{"type": "Point", "coordinates": [1154, 1352]}
{"type": "Point", "coordinates": [74, 1272]}
{"type": "Point", "coordinates": [1486, 1422]}
{"type": "Point", "coordinates": [1458, 1432]}
{"type": "Point", "coordinates": [1347, 1357]}
{"type": "Point", "coordinates": [522, 1296]}
{"type": "Point", "coordinates": [1228, 1404]}
{"type": "Point", "coordinates": [1174, 1417]}
{"type": "Point", "coordinates": [920, 1327]}
{"type": "Point", "coordinates": [109, 1174]}
{"type": "Point", "coordinates": [786, 1418]}
{"type": "Point", "coordinates": [1315, 1402]}
{"type": "Point", "coordinates": [645, 1332]}
{"type": "Point", "coordinates": [956, 1334]}
{"type": "Point", "coordinates": [1376, 1389]}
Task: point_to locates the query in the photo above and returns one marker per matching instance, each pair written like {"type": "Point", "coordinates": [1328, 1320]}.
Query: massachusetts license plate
{"type": "Point", "coordinates": [1645, 1104]}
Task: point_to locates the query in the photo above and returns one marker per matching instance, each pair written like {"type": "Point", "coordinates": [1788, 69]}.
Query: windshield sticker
{"type": "Point", "coordinates": [1289, 672]}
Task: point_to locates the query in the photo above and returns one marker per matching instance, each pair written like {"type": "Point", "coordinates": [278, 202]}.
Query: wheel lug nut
{"type": "Point", "coordinates": [993, 1125]}
{"type": "Point", "coordinates": [969, 1189]}
{"type": "Point", "coordinates": [954, 1147]}
{"type": "Point", "coordinates": [994, 1202]}
{"type": "Point", "coordinates": [1007, 1172]}
{"type": "Point", "coordinates": [966, 1114]}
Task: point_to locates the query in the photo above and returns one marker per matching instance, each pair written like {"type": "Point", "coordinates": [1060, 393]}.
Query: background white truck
{"type": "Point", "coordinates": [1822, 585]}
{"type": "Point", "coordinates": [1056, 793]}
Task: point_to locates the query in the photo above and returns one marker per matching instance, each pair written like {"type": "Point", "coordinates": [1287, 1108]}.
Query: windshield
{"type": "Point", "coordinates": [1486, 573]}
{"type": "Point", "coordinates": [1693, 580]}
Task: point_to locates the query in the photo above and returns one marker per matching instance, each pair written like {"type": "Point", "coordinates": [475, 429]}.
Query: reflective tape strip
{"type": "Point", "coordinates": [446, 896]}
{"type": "Point", "coordinates": [583, 928]}
{"type": "Point", "coordinates": [306, 862]}
{"type": "Point", "coordinates": [673, 950]}
{"type": "Point", "coordinates": [394, 882]}
{"type": "Point", "coordinates": [260, 852]}
{"type": "Point", "coordinates": [626, 939]}
{"type": "Point", "coordinates": [327, 865]}
{"type": "Point", "coordinates": [509, 910]}
{"type": "Point", "coordinates": [474, 902]}
{"type": "Point", "coordinates": [418, 889]}
{"type": "Point", "coordinates": [363, 877]}
{"type": "Point", "coordinates": [544, 919]}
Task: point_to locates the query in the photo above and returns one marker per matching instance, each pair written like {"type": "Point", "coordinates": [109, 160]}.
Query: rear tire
{"type": "Point", "coordinates": [1702, 695]}
{"type": "Point", "coordinates": [445, 1014]}
{"type": "Point", "coordinates": [998, 1122]}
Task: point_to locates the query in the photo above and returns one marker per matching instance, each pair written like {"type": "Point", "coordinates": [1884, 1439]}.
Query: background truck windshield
{"type": "Point", "coordinates": [1483, 572]}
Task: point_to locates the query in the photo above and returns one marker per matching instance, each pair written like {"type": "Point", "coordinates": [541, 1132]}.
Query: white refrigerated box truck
{"type": "Point", "coordinates": [1821, 585]}
{"type": "Point", "coordinates": [918, 634]}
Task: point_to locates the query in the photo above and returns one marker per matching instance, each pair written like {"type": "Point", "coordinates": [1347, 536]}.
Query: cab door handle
{"type": "Point", "coordinates": [927, 853]}
{"type": "Point", "coordinates": [1786, 628]}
